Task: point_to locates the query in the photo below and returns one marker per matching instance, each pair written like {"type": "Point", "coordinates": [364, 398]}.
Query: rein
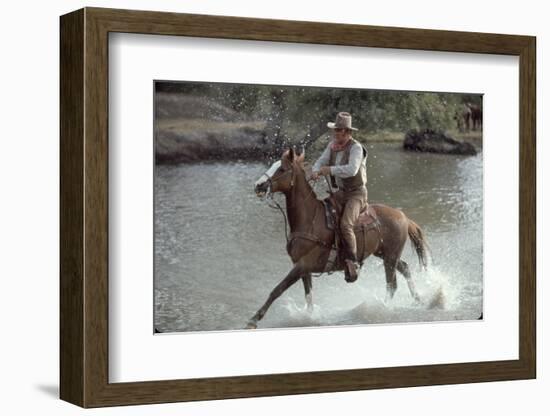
{"type": "Point", "coordinates": [271, 203]}
{"type": "Point", "coordinates": [277, 206]}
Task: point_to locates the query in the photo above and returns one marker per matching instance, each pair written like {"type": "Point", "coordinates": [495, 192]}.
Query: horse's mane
{"type": "Point", "coordinates": [305, 169]}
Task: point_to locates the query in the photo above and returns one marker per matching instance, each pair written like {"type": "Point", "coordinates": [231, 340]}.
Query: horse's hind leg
{"type": "Point", "coordinates": [403, 268]}
{"type": "Point", "coordinates": [308, 285]}
{"type": "Point", "coordinates": [391, 280]}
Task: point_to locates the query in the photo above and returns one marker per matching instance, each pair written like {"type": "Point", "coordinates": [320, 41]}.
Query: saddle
{"type": "Point", "coordinates": [333, 211]}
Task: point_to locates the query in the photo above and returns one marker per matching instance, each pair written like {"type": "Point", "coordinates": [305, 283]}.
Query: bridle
{"type": "Point", "coordinates": [281, 175]}
{"type": "Point", "coordinates": [271, 203]}
{"type": "Point", "coordinates": [274, 204]}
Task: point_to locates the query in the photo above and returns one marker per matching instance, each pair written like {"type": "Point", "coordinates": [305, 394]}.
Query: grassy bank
{"type": "Point", "coordinates": [187, 126]}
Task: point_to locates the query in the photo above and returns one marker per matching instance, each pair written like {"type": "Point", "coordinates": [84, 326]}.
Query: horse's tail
{"type": "Point", "coordinates": [419, 242]}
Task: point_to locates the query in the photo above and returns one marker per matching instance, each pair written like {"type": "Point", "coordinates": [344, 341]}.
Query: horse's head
{"type": "Point", "coordinates": [280, 177]}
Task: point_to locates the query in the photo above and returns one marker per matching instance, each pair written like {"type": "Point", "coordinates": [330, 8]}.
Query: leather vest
{"type": "Point", "coordinates": [352, 183]}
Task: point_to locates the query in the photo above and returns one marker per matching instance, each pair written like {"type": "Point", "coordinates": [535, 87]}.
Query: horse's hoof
{"type": "Point", "coordinates": [251, 325]}
{"type": "Point", "coordinates": [309, 303]}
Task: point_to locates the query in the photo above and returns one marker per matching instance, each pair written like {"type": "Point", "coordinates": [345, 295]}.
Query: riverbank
{"type": "Point", "coordinates": [392, 137]}
{"type": "Point", "coordinates": [180, 140]}
{"type": "Point", "coordinates": [190, 140]}
{"type": "Point", "coordinates": [474, 137]}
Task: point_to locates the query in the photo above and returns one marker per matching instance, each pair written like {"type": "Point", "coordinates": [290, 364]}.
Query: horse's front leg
{"type": "Point", "coordinates": [291, 278]}
{"type": "Point", "coordinates": [308, 285]}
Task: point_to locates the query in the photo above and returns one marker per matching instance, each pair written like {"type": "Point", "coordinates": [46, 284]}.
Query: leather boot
{"type": "Point", "coordinates": [351, 270]}
{"type": "Point", "coordinates": [351, 267]}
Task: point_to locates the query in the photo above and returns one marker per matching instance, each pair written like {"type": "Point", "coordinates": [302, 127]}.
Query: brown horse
{"type": "Point", "coordinates": [476, 116]}
{"type": "Point", "coordinates": [311, 240]}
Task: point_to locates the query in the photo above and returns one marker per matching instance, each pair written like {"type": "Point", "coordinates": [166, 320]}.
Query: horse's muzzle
{"type": "Point", "coordinates": [261, 188]}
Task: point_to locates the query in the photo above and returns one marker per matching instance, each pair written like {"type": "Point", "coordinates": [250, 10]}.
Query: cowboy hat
{"type": "Point", "coordinates": [343, 121]}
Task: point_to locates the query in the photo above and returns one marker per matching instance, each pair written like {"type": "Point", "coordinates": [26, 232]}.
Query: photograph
{"type": "Point", "coordinates": [284, 206]}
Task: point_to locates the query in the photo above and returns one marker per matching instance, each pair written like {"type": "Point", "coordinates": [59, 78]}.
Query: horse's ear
{"type": "Point", "coordinates": [288, 158]}
{"type": "Point", "coordinates": [300, 158]}
{"type": "Point", "coordinates": [291, 154]}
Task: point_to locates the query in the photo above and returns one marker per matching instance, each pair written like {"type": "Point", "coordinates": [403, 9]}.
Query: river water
{"type": "Point", "coordinates": [220, 250]}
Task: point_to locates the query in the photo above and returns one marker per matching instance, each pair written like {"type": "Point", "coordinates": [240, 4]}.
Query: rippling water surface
{"type": "Point", "coordinates": [219, 250]}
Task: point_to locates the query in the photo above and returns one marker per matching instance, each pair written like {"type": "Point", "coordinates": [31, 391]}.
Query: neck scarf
{"type": "Point", "coordinates": [339, 147]}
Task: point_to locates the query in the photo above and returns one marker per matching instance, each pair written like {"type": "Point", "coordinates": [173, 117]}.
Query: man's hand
{"type": "Point", "coordinates": [324, 171]}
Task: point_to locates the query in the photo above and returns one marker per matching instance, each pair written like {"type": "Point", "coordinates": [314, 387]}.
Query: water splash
{"type": "Point", "coordinates": [441, 294]}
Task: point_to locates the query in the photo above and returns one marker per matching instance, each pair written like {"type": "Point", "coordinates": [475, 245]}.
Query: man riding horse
{"type": "Point", "coordinates": [345, 161]}
{"type": "Point", "coordinates": [310, 242]}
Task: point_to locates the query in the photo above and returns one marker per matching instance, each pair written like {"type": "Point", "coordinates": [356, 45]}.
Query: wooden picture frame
{"type": "Point", "coordinates": [84, 207]}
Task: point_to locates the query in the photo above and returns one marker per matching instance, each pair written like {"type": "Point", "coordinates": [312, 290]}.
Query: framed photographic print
{"type": "Point", "coordinates": [254, 207]}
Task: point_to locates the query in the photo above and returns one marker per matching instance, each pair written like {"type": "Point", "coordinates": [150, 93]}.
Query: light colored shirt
{"type": "Point", "coordinates": [356, 161]}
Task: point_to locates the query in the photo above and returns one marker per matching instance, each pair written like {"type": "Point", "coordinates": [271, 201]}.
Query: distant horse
{"type": "Point", "coordinates": [463, 116]}
{"type": "Point", "coordinates": [477, 116]}
{"type": "Point", "coordinates": [311, 240]}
